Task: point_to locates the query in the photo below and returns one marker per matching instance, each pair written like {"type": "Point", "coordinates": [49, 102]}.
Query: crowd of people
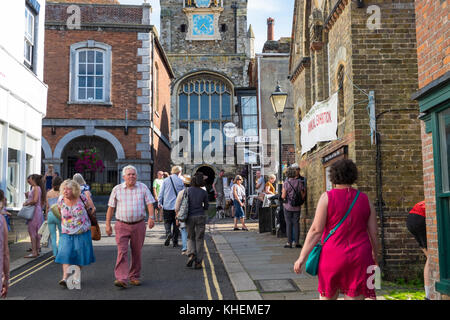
{"type": "Point", "coordinates": [68, 208]}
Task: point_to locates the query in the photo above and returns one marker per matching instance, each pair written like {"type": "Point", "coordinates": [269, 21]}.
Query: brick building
{"type": "Point", "coordinates": [433, 51]}
{"type": "Point", "coordinates": [209, 48]}
{"type": "Point", "coordinates": [352, 62]}
{"type": "Point", "coordinates": [109, 89]}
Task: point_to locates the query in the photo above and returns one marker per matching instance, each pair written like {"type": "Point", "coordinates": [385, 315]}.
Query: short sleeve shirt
{"type": "Point", "coordinates": [74, 219]}
{"type": "Point", "coordinates": [157, 185]}
{"type": "Point", "coordinates": [130, 202]}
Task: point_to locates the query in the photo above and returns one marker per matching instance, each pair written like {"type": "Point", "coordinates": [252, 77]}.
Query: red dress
{"type": "Point", "coordinates": [347, 254]}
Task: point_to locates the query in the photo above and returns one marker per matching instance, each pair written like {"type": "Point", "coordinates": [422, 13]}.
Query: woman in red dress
{"type": "Point", "coordinates": [347, 256]}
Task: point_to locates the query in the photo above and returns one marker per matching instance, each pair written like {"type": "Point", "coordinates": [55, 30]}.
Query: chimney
{"type": "Point", "coordinates": [270, 31]}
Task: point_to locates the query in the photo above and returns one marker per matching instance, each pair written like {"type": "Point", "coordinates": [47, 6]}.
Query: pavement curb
{"type": "Point", "coordinates": [244, 287]}
{"type": "Point", "coordinates": [19, 263]}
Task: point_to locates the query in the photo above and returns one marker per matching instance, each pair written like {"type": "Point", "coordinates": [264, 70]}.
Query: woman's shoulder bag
{"type": "Point", "coordinates": [95, 228]}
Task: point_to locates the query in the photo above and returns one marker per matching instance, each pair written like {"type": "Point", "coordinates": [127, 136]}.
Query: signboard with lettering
{"type": "Point", "coordinates": [320, 124]}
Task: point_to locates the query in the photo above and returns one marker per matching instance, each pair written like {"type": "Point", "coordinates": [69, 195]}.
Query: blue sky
{"type": "Point", "coordinates": [258, 12]}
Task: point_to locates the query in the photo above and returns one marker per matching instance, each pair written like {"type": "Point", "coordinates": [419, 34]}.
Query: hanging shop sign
{"type": "Point", "coordinates": [320, 124]}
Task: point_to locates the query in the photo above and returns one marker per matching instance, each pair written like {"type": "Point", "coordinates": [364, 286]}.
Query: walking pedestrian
{"type": "Point", "coordinates": [196, 221]}
{"type": "Point", "coordinates": [3, 210]}
{"type": "Point", "coordinates": [238, 193]}
{"type": "Point", "coordinates": [4, 258]}
{"type": "Point", "coordinates": [232, 197]}
{"type": "Point", "coordinates": [49, 175]}
{"type": "Point", "coordinates": [53, 221]}
{"type": "Point", "coordinates": [129, 200]}
{"type": "Point", "coordinates": [219, 193]}
{"type": "Point", "coordinates": [75, 244]}
{"type": "Point", "coordinates": [416, 224]}
{"type": "Point", "coordinates": [351, 249]}
{"type": "Point", "coordinates": [36, 197]}
{"type": "Point", "coordinates": [157, 183]}
{"type": "Point", "coordinates": [180, 224]}
{"type": "Point", "coordinates": [291, 191]}
{"type": "Point", "coordinates": [85, 190]}
{"type": "Point", "coordinates": [170, 188]}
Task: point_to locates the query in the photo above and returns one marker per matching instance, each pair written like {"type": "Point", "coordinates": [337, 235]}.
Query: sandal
{"type": "Point", "coordinates": [236, 229]}
{"type": "Point", "coordinates": [244, 229]}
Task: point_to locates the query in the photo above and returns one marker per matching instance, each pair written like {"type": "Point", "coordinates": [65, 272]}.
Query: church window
{"type": "Point", "coordinates": [204, 103]}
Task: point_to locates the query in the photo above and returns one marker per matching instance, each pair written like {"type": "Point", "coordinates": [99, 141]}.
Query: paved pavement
{"type": "Point", "coordinates": [259, 267]}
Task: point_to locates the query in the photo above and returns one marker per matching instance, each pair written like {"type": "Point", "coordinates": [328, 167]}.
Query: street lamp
{"type": "Point", "coordinates": [278, 100]}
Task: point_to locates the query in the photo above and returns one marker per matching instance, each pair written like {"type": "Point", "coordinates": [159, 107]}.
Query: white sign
{"type": "Point", "coordinates": [320, 124]}
{"type": "Point", "coordinates": [246, 139]}
{"type": "Point", "coordinates": [230, 130]}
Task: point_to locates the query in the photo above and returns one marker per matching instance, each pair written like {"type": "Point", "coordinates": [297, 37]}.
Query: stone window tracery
{"type": "Point", "coordinates": [204, 103]}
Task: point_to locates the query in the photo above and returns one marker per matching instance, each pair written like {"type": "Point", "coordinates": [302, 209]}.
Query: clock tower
{"type": "Point", "coordinates": [209, 46]}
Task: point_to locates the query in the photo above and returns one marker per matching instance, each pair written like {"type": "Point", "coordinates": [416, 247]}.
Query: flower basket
{"type": "Point", "coordinates": [89, 161]}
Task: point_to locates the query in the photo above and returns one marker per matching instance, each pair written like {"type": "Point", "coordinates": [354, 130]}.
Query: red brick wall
{"type": "Point", "coordinates": [433, 51]}
{"type": "Point", "coordinates": [161, 114]}
{"type": "Point", "coordinates": [433, 39]}
{"type": "Point", "coordinates": [124, 75]}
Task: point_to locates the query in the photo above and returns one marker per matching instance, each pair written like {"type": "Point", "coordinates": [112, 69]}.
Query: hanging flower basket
{"type": "Point", "coordinates": [89, 161]}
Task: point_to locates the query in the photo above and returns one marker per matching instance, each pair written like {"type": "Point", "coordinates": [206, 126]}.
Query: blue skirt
{"type": "Point", "coordinates": [75, 249]}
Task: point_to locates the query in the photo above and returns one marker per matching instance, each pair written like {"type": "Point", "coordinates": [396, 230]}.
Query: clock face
{"type": "Point", "coordinates": [202, 3]}
{"type": "Point", "coordinates": [203, 24]}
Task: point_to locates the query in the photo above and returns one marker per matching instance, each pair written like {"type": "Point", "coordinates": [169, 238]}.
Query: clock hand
{"type": "Point", "coordinates": [203, 25]}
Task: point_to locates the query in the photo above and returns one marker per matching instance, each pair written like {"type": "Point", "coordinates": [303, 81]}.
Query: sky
{"type": "Point", "coordinates": [258, 12]}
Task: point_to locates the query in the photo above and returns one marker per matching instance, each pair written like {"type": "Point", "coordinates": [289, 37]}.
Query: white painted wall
{"type": "Point", "coordinates": [23, 95]}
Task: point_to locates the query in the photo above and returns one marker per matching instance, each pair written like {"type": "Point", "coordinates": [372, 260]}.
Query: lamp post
{"type": "Point", "coordinates": [278, 100]}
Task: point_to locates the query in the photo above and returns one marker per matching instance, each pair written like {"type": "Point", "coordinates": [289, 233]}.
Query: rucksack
{"type": "Point", "coordinates": [297, 201]}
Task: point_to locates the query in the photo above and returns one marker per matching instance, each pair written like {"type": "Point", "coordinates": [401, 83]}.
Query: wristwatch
{"type": "Point", "coordinates": [153, 218]}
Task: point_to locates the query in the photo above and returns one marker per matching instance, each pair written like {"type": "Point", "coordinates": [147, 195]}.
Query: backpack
{"type": "Point", "coordinates": [184, 208]}
{"type": "Point", "coordinates": [298, 200]}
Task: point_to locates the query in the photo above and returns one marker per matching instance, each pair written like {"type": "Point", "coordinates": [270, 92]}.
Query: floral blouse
{"type": "Point", "coordinates": [74, 220]}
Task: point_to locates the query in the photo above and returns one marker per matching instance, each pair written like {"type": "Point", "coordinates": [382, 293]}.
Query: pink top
{"type": "Point", "coordinates": [74, 220]}
{"type": "Point", "coordinates": [130, 202]}
{"type": "Point", "coordinates": [347, 254]}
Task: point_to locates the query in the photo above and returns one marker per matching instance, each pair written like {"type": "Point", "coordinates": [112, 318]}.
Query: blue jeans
{"type": "Point", "coordinates": [53, 223]}
{"type": "Point", "coordinates": [184, 237]}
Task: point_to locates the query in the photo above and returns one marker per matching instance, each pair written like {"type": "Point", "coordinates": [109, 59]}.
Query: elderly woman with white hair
{"type": "Point", "coordinates": [75, 244]}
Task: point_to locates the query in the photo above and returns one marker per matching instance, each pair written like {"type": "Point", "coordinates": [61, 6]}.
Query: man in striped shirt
{"type": "Point", "coordinates": [129, 200]}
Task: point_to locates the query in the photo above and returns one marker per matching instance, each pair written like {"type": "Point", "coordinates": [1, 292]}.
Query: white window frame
{"type": "Point", "coordinates": [89, 45]}
{"type": "Point", "coordinates": [77, 85]}
{"type": "Point", "coordinates": [29, 38]}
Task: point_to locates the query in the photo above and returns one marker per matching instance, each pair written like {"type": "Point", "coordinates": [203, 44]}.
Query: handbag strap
{"type": "Point", "coordinates": [343, 219]}
{"type": "Point", "coordinates": [173, 186]}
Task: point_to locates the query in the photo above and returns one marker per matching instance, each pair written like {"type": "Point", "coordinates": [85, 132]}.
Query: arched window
{"type": "Point", "coordinates": [204, 102]}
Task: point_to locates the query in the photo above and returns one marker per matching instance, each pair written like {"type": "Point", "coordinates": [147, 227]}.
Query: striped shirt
{"type": "Point", "coordinates": [130, 202]}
